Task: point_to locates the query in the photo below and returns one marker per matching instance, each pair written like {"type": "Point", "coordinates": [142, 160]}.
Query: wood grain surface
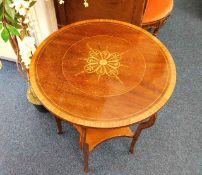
{"type": "Point", "coordinates": [102, 74]}
{"type": "Point", "coordinates": [123, 10]}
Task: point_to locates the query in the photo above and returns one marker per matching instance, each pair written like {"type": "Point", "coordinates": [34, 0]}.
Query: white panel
{"type": "Point", "coordinates": [6, 51]}
{"type": "Point", "coordinates": [44, 19]}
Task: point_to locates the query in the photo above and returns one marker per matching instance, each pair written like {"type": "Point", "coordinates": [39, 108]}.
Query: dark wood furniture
{"type": "Point", "coordinates": [71, 11]}
{"type": "Point", "coordinates": [150, 14]}
{"type": "Point", "coordinates": [102, 81]}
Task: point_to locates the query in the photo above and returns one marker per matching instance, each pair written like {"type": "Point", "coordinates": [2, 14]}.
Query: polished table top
{"type": "Point", "coordinates": [102, 74]}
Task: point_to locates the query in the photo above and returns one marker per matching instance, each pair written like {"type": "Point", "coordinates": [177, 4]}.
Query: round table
{"type": "Point", "coordinates": [103, 76]}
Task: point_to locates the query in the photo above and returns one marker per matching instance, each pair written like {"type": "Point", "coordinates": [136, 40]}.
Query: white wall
{"type": "Point", "coordinates": [6, 51]}
{"type": "Point", "coordinates": [44, 19]}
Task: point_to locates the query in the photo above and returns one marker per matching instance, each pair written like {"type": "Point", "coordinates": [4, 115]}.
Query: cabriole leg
{"type": "Point", "coordinates": [85, 147]}
{"type": "Point", "coordinates": [156, 30]}
{"type": "Point", "coordinates": [139, 129]}
{"type": "Point", "coordinates": [59, 125]}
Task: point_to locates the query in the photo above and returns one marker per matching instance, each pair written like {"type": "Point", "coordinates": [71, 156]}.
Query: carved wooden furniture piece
{"type": "Point", "coordinates": [156, 14]}
{"type": "Point", "coordinates": [150, 14]}
{"type": "Point", "coordinates": [71, 11]}
{"type": "Point", "coordinates": [102, 81]}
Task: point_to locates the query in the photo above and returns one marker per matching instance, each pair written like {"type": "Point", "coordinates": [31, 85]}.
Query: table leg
{"type": "Point", "coordinates": [85, 147]}
{"type": "Point", "coordinates": [139, 129]}
{"type": "Point", "coordinates": [86, 157]}
{"type": "Point", "coordinates": [83, 137]}
{"type": "Point", "coordinates": [59, 125]}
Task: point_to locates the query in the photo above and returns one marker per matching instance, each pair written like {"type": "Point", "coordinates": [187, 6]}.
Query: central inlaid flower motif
{"type": "Point", "coordinates": [103, 63]}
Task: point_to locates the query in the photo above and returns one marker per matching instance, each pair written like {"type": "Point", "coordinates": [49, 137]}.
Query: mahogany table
{"type": "Point", "coordinates": [103, 76]}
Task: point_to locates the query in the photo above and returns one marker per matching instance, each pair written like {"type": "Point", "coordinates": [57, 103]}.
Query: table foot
{"type": "Point", "coordinates": [141, 126]}
{"type": "Point", "coordinates": [59, 125]}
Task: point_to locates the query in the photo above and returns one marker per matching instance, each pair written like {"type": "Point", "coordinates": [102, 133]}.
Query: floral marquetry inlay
{"type": "Point", "coordinates": [103, 66]}
{"type": "Point", "coordinates": [103, 63]}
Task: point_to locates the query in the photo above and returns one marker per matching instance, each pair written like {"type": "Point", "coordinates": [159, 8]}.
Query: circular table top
{"type": "Point", "coordinates": [102, 74]}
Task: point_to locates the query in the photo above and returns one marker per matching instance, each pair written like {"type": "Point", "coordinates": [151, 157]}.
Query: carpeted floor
{"type": "Point", "coordinates": [29, 144]}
